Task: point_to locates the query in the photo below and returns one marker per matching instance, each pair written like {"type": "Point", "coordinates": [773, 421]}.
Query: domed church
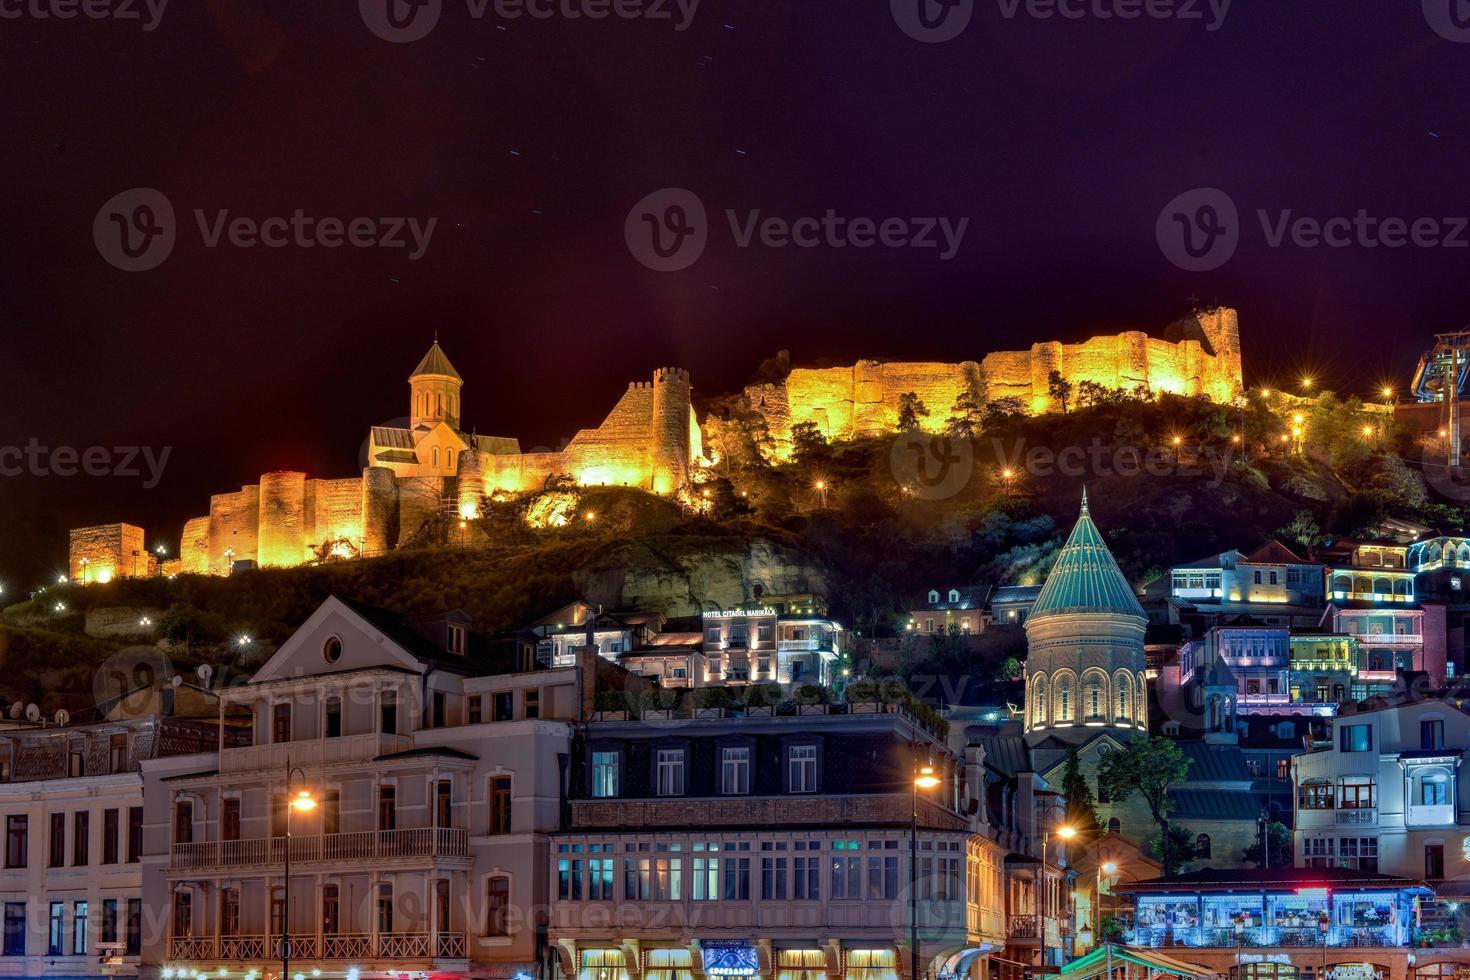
{"type": "Point", "coordinates": [1085, 634]}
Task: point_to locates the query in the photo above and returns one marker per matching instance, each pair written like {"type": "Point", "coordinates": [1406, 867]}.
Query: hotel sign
{"type": "Point", "coordinates": [737, 613]}
{"type": "Point", "coordinates": [730, 958]}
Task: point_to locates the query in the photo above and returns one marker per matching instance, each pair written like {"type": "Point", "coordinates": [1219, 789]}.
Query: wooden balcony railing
{"type": "Point", "coordinates": [339, 946]}
{"type": "Point", "coordinates": [451, 842]}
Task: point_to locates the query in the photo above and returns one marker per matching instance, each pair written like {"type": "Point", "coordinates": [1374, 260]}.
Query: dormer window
{"type": "Point", "coordinates": [457, 638]}
{"type": "Point", "coordinates": [933, 597]}
{"type": "Point", "coordinates": [954, 595]}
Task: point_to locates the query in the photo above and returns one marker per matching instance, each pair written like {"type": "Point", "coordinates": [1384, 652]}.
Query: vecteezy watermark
{"type": "Point", "coordinates": [403, 21]}
{"type": "Point", "coordinates": [122, 462]}
{"type": "Point", "coordinates": [932, 466]}
{"type": "Point", "coordinates": [668, 230]}
{"type": "Point", "coordinates": [1450, 19]}
{"type": "Point", "coordinates": [147, 12]}
{"type": "Point", "coordinates": [136, 230]}
{"type": "Point", "coordinates": [1200, 230]}
{"type": "Point", "coordinates": [1098, 459]}
{"type": "Point", "coordinates": [936, 21]}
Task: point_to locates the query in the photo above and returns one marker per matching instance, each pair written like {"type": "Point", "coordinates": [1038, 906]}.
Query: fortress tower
{"type": "Point", "coordinates": [435, 386]}
{"type": "Point", "coordinates": [1084, 666]}
{"type": "Point", "coordinates": [670, 434]}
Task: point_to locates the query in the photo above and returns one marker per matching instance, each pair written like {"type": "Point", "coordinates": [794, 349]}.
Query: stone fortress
{"type": "Point", "coordinates": [651, 440]}
{"type": "Point", "coordinates": [1199, 355]}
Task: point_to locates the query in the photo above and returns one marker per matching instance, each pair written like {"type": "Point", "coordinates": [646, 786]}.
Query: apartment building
{"type": "Point", "coordinates": [71, 801]}
{"type": "Point", "coordinates": [1272, 584]}
{"type": "Point", "coordinates": [434, 761]}
{"type": "Point", "coordinates": [784, 640]}
{"type": "Point", "coordinates": [745, 843]}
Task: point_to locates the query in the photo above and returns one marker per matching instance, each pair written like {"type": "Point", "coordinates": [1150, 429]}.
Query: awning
{"type": "Point", "coordinates": [1095, 964]}
{"type": "Point", "coordinates": [959, 964]}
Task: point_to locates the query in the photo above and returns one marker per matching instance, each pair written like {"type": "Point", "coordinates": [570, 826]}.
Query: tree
{"type": "Point", "coordinates": [1081, 807]}
{"type": "Point", "coordinates": [1182, 849]}
{"type": "Point", "coordinates": [1147, 767]}
{"type": "Point", "coordinates": [1059, 388]}
{"type": "Point", "coordinates": [964, 414]}
{"type": "Point", "coordinates": [1303, 529]}
{"type": "Point", "coordinates": [1279, 847]}
{"type": "Point", "coordinates": [910, 411]}
{"type": "Point", "coordinates": [807, 441]}
{"type": "Point", "coordinates": [1002, 410]}
{"type": "Point", "coordinates": [1010, 670]}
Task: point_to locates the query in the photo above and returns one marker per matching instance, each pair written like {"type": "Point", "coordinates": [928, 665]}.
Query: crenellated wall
{"type": "Point", "coordinates": [1201, 357]}
{"type": "Point", "coordinates": [108, 551]}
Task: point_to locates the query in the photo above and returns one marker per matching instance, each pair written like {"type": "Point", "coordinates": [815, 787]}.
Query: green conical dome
{"type": "Point", "coordinates": [1086, 578]}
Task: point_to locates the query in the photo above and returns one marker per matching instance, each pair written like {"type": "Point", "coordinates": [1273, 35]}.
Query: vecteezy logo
{"type": "Point", "coordinates": [934, 467]}
{"type": "Point", "coordinates": [401, 21]}
{"type": "Point", "coordinates": [667, 230]}
{"type": "Point", "coordinates": [135, 231]}
{"type": "Point", "coordinates": [932, 21]}
{"type": "Point", "coordinates": [1449, 18]}
{"type": "Point", "coordinates": [1199, 230]}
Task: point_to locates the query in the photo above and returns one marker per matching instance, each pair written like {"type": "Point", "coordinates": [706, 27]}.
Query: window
{"type": "Point", "coordinates": [331, 807]}
{"type": "Point", "coordinates": [1434, 861]}
{"type": "Point", "coordinates": [15, 928]}
{"type": "Point", "coordinates": [1318, 852]}
{"type": "Point", "coordinates": [933, 597]}
{"type": "Point", "coordinates": [670, 772]}
{"type": "Point", "coordinates": [109, 920]}
{"type": "Point", "coordinates": [457, 637]}
{"type": "Point", "coordinates": [1115, 826]}
{"type": "Point", "coordinates": [735, 771]}
{"type": "Point", "coordinates": [1283, 768]}
{"type": "Point", "coordinates": [882, 878]}
{"type": "Point", "coordinates": [1431, 734]}
{"type": "Point", "coordinates": [497, 906]}
{"type": "Point", "coordinates": [332, 910]}
{"type": "Point", "coordinates": [134, 938]}
{"type": "Point", "coordinates": [281, 723]}
{"type": "Point", "coordinates": [1356, 793]}
{"type": "Point", "coordinates": [806, 880]}
{"type": "Point", "coordinates": [80, 832]}
{"type": "Point", "coordinates": [56, 928]}
{"type": "Point", "coordinates": [332, 649]}
{"type": "Point", "coordinates": [111, 827]}
{"type": "Point", "coordinates": [439, 710]}
{"type": "Point", "coordinates": [500, 804]}
{"type": "Point", "coordinates": [1355, 738]}
{"type": "Point", "coordinates": [385, 907]}
{"type": "Point", "coordinates": [503, 706]}
{"type": "Point", "coordinates": [604, 775]}
{"type": "Point", "coordinates": [117, 753]}
{"type": "Point", "coordinates": [387, 808]}
{"type": "Point", "coordinates": [472, 710]}
{"type": "Point", "coordinates": [56, 841]}
{"type": "Point", "coordinates": [773, 879]}
{"type": "Point", "coordinates": [16, 840]}
{"type": "Point", "coordinates": [801, 769]}
{"type": "Point", "coordinates": [332, 725]}
{"type": "Point", "coordinates": [531, 702]}
{"type": "Point", "coordinates": [1202, 846]}
{"type": "Point", "coordinates": [135, 834]}
{"type": "Point", "coordinates": [388, 713]}
{"type": "Point", "coordinates": [1316, 794]}
{"type": "Point", "coordinates": [443, 804]}
{"type": "Point", "coordinates": [737, 879]}
{"type": "Point", "coordinates": [79, 944]}
{"type": "Point", "coordinates": [847, 874]}
{"type": "Point", "coordinates": [1434, 790]}
{"type": "Point", "coordinates": [183, 822]}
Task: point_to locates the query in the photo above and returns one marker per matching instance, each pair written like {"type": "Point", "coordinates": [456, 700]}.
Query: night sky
{"type": "Point", "coordinates": [530, 140]}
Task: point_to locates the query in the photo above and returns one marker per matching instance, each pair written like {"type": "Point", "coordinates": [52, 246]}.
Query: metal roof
{"type": "Point", "coordinates": [392, 438]}
{"type": "Point", "coordinates": [436, 362]}
{"type": "Point", "coordinates": [1086, 578]}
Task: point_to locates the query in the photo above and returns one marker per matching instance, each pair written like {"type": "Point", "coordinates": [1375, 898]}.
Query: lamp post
{"type": "Point", "coordinates": [924, 778]}
{"type": "Point", "coordinates": [304, 802]}
{"type": "Point", "coordinates": [1065, 832]}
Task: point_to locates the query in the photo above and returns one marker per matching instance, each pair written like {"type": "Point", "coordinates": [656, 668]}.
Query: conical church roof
{"type": "Point", "coordinates": [436, 362]}
{"type": "Point", "coordinates": [1086, 578]}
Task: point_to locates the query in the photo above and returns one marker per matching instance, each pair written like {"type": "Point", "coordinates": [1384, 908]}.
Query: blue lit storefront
{"type": "Point", "coordinates": [1288, 924]}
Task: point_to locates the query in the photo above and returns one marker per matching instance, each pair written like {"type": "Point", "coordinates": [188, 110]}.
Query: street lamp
{"type": "Point", "coordinates": [304, 802]}
{"type": "Point", "coordinates": [924, 778]}
{"type": "Point", "coordinates": [1066, 832]}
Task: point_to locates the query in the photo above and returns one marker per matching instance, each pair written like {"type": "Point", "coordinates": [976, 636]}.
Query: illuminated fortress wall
{"type": "Point", "coordinates": [108, 551]}
{"type": "Point", "coordinates": [1201, 357]}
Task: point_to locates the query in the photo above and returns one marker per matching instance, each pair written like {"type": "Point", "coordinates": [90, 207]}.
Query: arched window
{"type": "Point", "coordinates": [1123, 709]}
{"type": "Point", "coordinates": [1202, 846]}
{"type": "Point", "coordinates": [1115, 826]}
{"type": "Point", "coordinates": [1401, 587]}
{"type": "Point", "coordinates": [1064, 699]}
{"type": "Point", "coordinates": [1095, 696]}
{"type": "Point", "coordinates": [933, 597]}
{"type": "Point", "coordinates": [1382, 586]}
{"type": "Point", "coordinates": [1038, 700]}
{"type": "Point", "coordinates": [1342, 583]}
{"type": "Point", "coordinates": [954, 595]}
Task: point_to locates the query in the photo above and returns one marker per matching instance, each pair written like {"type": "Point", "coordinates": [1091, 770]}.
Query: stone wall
{"type": "Point", "coordinates": [108, 551]}
{"type": "Point", "coordinates": [1200, 356]}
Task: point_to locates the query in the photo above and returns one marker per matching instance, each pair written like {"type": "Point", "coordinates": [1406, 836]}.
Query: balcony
{"type": "Point", "coordinates": [798, 646]}
{"type": "Point", "coordinates": [312, 752]}
{"type": "Point", "coordinates": [371, 845]}
{"type": "Point", "coordinates": [1358, 817]}
{"type": "Point", "coordinates": [760, 811]}
{"type": "Point", "coordinates": [339, 946]}
{"type": "Point", "coordinates": [1264, 937]}
{"type": "Point", "coordinates": [1434, 815]}
{"type": "Point", "coordinates": [1390, 639]}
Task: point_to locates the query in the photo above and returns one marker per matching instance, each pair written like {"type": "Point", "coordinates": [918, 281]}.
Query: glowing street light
{"type": "Point", "coordinates": [302, 802]}
{"type": "Point", "coordinates": [243, 640]}
{"type": "Point", "coordinates": [1307, 383]}
{"type": "Point", "coordinates": [925, 778]}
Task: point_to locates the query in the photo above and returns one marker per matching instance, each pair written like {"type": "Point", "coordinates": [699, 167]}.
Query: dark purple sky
{"type": "Point", "coordinates": [529, 141]}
